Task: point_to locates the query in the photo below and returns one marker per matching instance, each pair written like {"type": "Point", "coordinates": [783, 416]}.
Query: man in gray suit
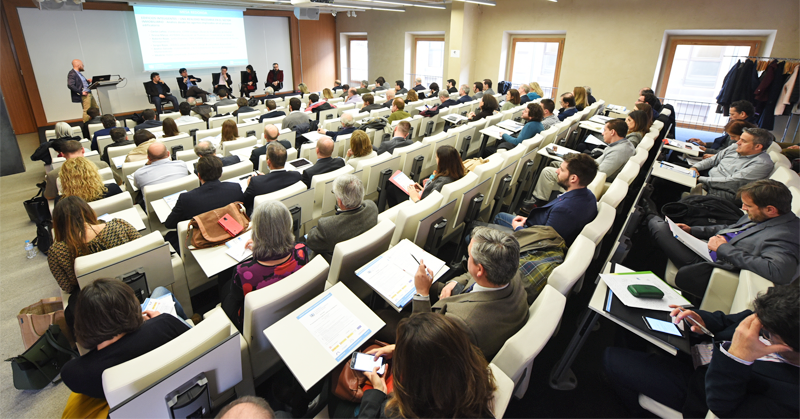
{"type": "Point", "coordinates": [352, 217]}
{"type": "Point", "coordinates": [766, 240]}
{"type": "Point", "coordinates": [296, 116]}
{"type": "Point", "coordinates": [398, 140]}
{"type": "Point", "coordinates": [489, 301]}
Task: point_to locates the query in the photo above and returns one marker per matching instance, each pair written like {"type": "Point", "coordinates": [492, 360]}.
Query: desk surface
{"type": "Point", "coordinates": [592, 126]}
{"type": "Point", "coordinates": [244, 153]}
{"type": "Point", "coordinates": [305, 356]}
{"type": "Point", "coordinates": [161, 209]}
{"type": "Point", "coordinates": [131, 215]}
{"type": "Point", "coordinates": [494, 131]}
{"type": "Point", "coordinates": [214, 260]}
{"type": "Point", "coordinates": [673, 176]}
{"type": "Point", "coordinates": [688, 149]}
{"type": "Point", "coordinates": [561, 149]}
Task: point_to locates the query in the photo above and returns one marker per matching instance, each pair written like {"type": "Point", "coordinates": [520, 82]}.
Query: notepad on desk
{"type": "Point", "coordinates": [619, 285]}
{"type": "Point", "coordinates": [402, 181]}
{"type": "Point", "coordinates": [237, 249]}
{"type": "Point", "coordinates": [391, 274]}
{"type": "Point", "coordinates": [510, 125]}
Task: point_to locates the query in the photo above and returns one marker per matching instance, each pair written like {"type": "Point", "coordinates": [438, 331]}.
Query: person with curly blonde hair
{"type": "Point", "coordinates": [80, 177]}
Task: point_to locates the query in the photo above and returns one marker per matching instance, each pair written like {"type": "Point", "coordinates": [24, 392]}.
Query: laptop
{"type": "Point", "coordinates": [105, 77]}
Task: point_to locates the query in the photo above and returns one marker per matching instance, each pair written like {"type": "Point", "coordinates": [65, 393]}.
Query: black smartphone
{"type": "Point", "coordinates": [365, 362]}
{"type": "Point", "coordinates": [662, 326]}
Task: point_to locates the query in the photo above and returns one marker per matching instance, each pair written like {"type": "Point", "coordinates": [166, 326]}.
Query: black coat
{"type": "Point", "coordinates": [152, 90]}
{"type": "Point", "coordinates": [271, 182]}
{"type": "Point", "coordinates": [209, 196]}
{"type": "Point", "coordinates": [325, 165]}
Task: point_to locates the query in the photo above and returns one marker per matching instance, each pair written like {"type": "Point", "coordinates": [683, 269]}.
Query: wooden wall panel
{"type": "Point", "coordinates": [318, 52]}
{"type": "Point", "coordinates": [13, 83]}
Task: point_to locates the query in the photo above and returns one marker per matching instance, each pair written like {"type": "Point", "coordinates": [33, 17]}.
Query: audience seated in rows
{"type": "Point", "coordinates": [110, 323]}
{"type": "Point", "coordinates": [243, 107]}
{"type": "Point", "coordinates": [418, 86]}
{"type": "Point", "coordinates": [369, 105]}
{"type": "Point", "coordinates": [186, 118]}
{"type": "Point", "coordinates": [637, 122]}
{"type": "Point", "coordinates": [278, 178]}
{"type": "Point", "coordinates": [271, 133]}
{"type": "Point", "coordinates": [348, 126]}
{"type": "Point", "coordinates": [525, 94]}
{"type": "Point", "coordinates": [360, 149]}
{"type": "Point", "coordinates": [488, 106]}
{"type": "Point", "coordinates": [399, 87]}
{"type": "Point", "coordinates": [765, 240]}
{"type": "Point", "coordinates": [390, 96]}
{"type": "Point", "coordinates": [620, 148]}
{"type": "Point", "coordinates": [69, 150]}
{"type": "Point", "coordinates": [533, 115]}
{"type": "Point", "coordinates": [224, 100]}
{"type": "Point", "coordinates": [109, 122]}
{"type": "Point", "coordinates": [250, 407]}
{"type": "Point", "coordinates": [160, 167]}
{"type": "Point", "coordinates": [567, 106]}
{"type": "Point", "coordinates": [548, 106]}
{"type": "Point", "coordinates": [487, 87]}
{"type": "Point", "coordinates": [411, 96]}
{"type": "Point", "coordinates": [444, 97]}
{"type": "Point", "coordinates": [353, 217]}
{"type": "Point", "coordinates": [271, 112]}
{"type": "Point", "coordinates": [142, 139]}
{"type": "Point", "coordinates": [427, 346]}
{"type": "Point", "coordinates": [478, 87]}
{"type": "Point", "coordinates": [451, 86]}
{"type": "Point", "coordinates": [398, 139]}
{"type": "Point", "coordinates": [94, 116]}
{"type": "Point", "coordinates": [449, 168]}
{"type": "Point", "coordinates": [647, 96]}
{"type": "Point", "coordinates": [317, 104]}
{"type": "Point", "coordinates": [463, 94]}
{"type": "Point", "coordinates": [275, 256]}
{"type": "Point", "coordinates": [741, 110]}
{"type": "Point", "coordinates": [63, 132]}
{"type": "Point", "coordinates": [327, 93]}
{"type": "Point", "coordinates": [229, 132]}
{"type": "Point", "coordinates": [325, 163]}
{"type": "Point", "coordinates": [488, 301]}
{"type": "Point", "coordinates": [202, 109]}
{"type": "Point", "coordinates": [752, 371]}
{"type": "Point", "coordinates": [80, 177]}
{"type": "Point", "coordinates": [296, 115]}
{"type": "Point", "coordinates": [581, 101]}
{"type": "Point", "coordinates": [119, 138]}
{"type": "Point", "coordinates": [535, 91]}
{"type": "Point", "coordinates": [169, 129]}
{"type": "Point", "coordinates": [353, 96]}
{"type": "Point", "coordinates": [363, 89]}
{"type": "Point", "coordinates": [397, 111]}
{"type": "Point", "coordinates": [380, 84]}
{"type": "Point", "coordinates": [150, 121]}
{"type": "Point", "coordinates": [568, 213]}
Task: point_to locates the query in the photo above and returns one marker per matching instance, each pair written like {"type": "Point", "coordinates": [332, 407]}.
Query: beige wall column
{"type": "Point", "coordinates": [463, 37]}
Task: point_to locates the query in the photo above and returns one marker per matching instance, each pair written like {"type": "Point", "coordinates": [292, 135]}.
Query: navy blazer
{"type": "Point", "coordinates": [566, 113]}
{"type": "Point", "coordinates": [271, 182]}
{"type": "Point", "coordinates": [464, 99]}
{"type": "Point", "coordinates": [389, 146]}
{"type": "Point", "coordinates": [343, 131]}
{"type": "Point", "coordinates": [150, 123]}
{"type": "Point", "coordinates": [567, 214]}
{"type": "Point", "coordinates": [325, 165]}
{"type": "Point", "coordinates": [75, 86]}
{"type": "Point", "coordinates": [209, 196]}
{"type": "Point", "coordinates": [273, 114]}
{"type": "Point", "coordinates": [152, 90]}
{"type": "Point", "coordinates": [447, 103]}
{"type": "Point", "coordinates": [256, 154]}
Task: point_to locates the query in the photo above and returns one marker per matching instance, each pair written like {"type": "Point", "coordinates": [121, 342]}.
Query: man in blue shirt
{"type": "Point", "coordinates": [567, 106]}
{"type": "Point", "coordinates": [188, 84]}
{"type": "Point", "coordinates": [79, 88]}
{"type": "Point", "coordinates": [572, 210]}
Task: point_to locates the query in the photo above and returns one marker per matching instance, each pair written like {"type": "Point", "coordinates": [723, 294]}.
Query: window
{"type": "Point", "coordinates": [358, 60]}
{"type": "Point", "coordinates": [539, 60]}
{"type": "Point", "coordinates": [428, 60]}
{"type": "Point", "coordinates": [694, 72]}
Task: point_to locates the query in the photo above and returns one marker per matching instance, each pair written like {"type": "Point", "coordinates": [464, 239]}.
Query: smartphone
{"type": "Point", "coordinates": [230, 225]}
{"type": "Point", "coordinates": [662, 326]}
{"type": "Point", "coordinates": [364, 362]}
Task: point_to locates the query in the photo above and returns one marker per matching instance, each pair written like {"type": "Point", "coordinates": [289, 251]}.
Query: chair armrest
{"type": "Point", "coordinates": [720, 291]}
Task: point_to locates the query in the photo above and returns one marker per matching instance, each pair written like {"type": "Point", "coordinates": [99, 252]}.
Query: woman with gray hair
{"type": "Point", "coordinates": [275, 256]}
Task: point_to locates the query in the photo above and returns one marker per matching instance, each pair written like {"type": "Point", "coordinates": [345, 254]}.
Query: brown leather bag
{"type": "Point", "coordinates": [205, 231]}
{"type": "Point", "coordinates": [349, 385]}
{"type": "Point", "coordinates": [35, 319]}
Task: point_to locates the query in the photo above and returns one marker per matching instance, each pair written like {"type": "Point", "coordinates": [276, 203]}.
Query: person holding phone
{"type": "Point", "coordinates": [429, 382]}
{"type": "Point", "coordinates": [449, 168]}
{"type": "Point", "coordinates": [752, 371]}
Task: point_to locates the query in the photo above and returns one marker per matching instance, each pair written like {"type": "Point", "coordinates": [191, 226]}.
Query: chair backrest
{"type": "Point", "coordinates": [106, 174]}
{"type": "Point", "coordinates": [187, 156]}
{"type": "Point", "coordinates": [786, 176]}
{"type": "Point", "coordinates": [640, 157]}
{"type": "Point", "coordinates": [280, 194]}
{"type": "Point", "coordinates": [182, 139]}
{"type": "Point", "coordinates": [160, 190]}
{"type": "Point", "coordinates": [92, 128]}
{"type": "Point", "coordinates": [628, 172]}
{"type": "Point", "coordinates": [516, 356]}
{"type": "Point", "coordinates": [615, 193]}
{"type": "Point", "coordinates": [456, 190]}
{"type": "Point", "coordinates": [120, 151]}
{"type": "Point", "coordinates": [95, 261]}
{"type": "Point", "coordinates": [189, 126]}
{"type": "Point", "coordinates": [217, 121]}
{"type": "Point", "coordinates": [128, 168]}
{"type": "Point", "coordinates": [239, 169]}
{"type": "Point", "coordinates": [598, 228]}
{"type": "Point", "coordinates": [205, 133]}
{"type": "Point", "coordinates": [173, 115]}
{"type": "Point", "coordinates": [575, 263]}
{"type": "Point", "coordinates": [238, 144]}
{"type": "Point", "coordinates": [475, 143]}
{"type": "Point", "coordinates": [318, 181]}
{"type": "Point", "coordinates": [503, 392]}
{"type": "Point", "coordinates": [267, 305]}
{"type": "Point", "coordinates": [114, 203]}
{"type": "Point", "coordinates": [376, 113]}
{"type": "Point", "coordinates": [349, 255]}
{"type": "Point", "coordinates": [194, 273]}
{"type": "Point", "coordinates": [409, 217]}
{"type": "Point", "coordinates": [749, 287]}
{"type": "Point", "coordinates": [370, 170]}
{"type": "Point", "coordinates": [127, 379]}
{"type": "Point", "coordinates": [240, 117]}
{"type": "Point", "coordinates": [795, 200]}
{"type": "Point", "coordinates": [329, 114]}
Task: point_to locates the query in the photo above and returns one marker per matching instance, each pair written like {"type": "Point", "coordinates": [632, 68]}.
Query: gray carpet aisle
{"type": "Point", "coordinates": [22, 282]}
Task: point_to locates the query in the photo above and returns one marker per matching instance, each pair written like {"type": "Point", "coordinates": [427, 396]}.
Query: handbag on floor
{"type": "Point", "coordinates": [42, 362]}
{"type": "Point", "coordinates": [37, 207]}
{"type": "Point", "coordinates": [35, 319]}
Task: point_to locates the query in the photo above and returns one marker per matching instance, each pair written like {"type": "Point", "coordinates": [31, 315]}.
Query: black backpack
{"type": "Point", "coordinates": [252, 102]}
{"type": "Point", "coordinates": [702, 210]}
{"type": "Point", "coordinates": [503, 87]}
{"type": "Point", "coordinates": [44, 236]}
{"type": "Point", "coordinates": [377, 124]}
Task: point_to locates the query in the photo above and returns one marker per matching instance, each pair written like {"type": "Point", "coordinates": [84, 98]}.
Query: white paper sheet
{"type": "Point", "coordinates": [163, 305]}
{"type": "Point", "coordinates": [593, 139]}
{"type": "Point", "coordinates": [119, 160]}
{"type": "Point", "coordinates": [392, 274]}
{"type": "Point", "coordinates": [677, 169]}
{"type": "Point", "coordinates": [105, 217]}
{"type": "Point", "coordinates": [402, 180]}
{"type": "Point", "coordinates": [335, 327]}
{"type": "Point", "coordinates": [312, 136]}
{"type": "Point", "coordinates": [619, 284]}
{"type": "Point", "coordinates": [600, 119]}
{"type": "Point", "coordinates": [510, 125]}
{"type": "Point", "coordinates": [495, 131]}
{"type": "Point", "coordinates": [236, 248]}
{"type": "Point", "coordinates": [696, 245]}
{"type": "Point", "coordinates": [171, 200]}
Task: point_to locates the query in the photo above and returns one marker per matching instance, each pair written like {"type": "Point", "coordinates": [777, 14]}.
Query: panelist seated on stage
{"type": "Point", "coordinates": [150, 121]}
{"type": "Point", "coordinates": [188, 84]}
{"type": "Point", "coordinates": [752, 370]}
{"type": "Point", "coordinates": [353, 217]}
{"type": "Point", "coordinates": [737, 165]}
{"type": "Point", "coordinates": [325, 163]}
{"type": "Point", "coordinates": [271, 112]}
{"type": "Point", "coordinates": [347, 127]}
{"type": "Point", "coordinates": [108, 122]}
{"type": "Point", "coordinates": [222, 82]}
{"type": "Point", "coordinates": [572, 210]}
{"type": "Point", "coordinates": [488, 301]}
{"type": "Point", "coordinates": [275, 78]}
{"type": "Point", "coordinates": [766, 240]}
{"type": "Point", "coordinates": [186, 114]}
{"type": "Point", "coordinates": [249, 81]}
{"type": "Point", "coordinates": [159, 92]}
{"type": "Point", "coordinates": [278, 178]}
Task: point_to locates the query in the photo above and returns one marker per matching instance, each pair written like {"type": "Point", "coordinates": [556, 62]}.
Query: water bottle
{"type": "Point", "coordinates": [29, 249]}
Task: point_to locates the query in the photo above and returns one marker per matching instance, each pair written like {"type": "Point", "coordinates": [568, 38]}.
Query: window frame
{"type": "Point", "coordinates": [560, 56]}
{"type": "Point", "coordinates": [350, 39]}
{"type": "Point", "coordinates": [426, 38]}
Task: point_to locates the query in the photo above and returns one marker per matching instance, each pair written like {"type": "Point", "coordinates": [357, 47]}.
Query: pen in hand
{"type": "Point", "coordinates": [691, 321]}
{"type": "Point", "coordinates": [415, 260]}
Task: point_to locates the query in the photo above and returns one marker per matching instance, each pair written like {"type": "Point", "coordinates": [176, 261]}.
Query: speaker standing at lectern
{"type": "Point", "coordinates": [79, 88]}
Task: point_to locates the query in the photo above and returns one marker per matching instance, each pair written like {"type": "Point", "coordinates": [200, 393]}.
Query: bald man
{"type": "Point", "coordinates": [160, 167]}
{"type": "Point", "coordinates": [325, 163]}
{"type": "Point", "coordinates": [389, 98]}
{"type": "Point", "coordinates": [271, 133]}
{"type": "Point", "coordinates": [249, 407]}
{"type": "Point", "coordinates": [79, 88]}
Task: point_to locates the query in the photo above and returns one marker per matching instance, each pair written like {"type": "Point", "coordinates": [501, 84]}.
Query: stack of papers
{"type": "Point", "coordinates": [163, 305]}
{"type": "Point", "coordinates": [683, 147]}
{"type": "Point", "coordinates": [619, 285]}
{"type": "Point", "coordinates": [600, 119]}
{"type": "Point", "coordinates": [312, 136]}
{"type": "Point", "coordinates": [236, 248]}
{"type": "Point", "coordinates": [677, 169]}
{"type": "Point", "coordinates": [391, 274]}
{"type": "Point", "coordinates": [696, 245]}
{"type": "Point", "coordinates": [510, 125]}
{"type": "Point", "coordinates": [595, 140]}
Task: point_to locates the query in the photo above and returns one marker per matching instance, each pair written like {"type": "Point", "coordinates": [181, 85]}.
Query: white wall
{"type": "Point", "coordinates": [107, 43]}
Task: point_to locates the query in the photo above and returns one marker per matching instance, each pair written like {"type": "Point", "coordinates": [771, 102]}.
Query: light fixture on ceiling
{"type": "Point", "coordinates": [483, 2]}
{"type": "Point", "coordinates": [408, 3]}
{"type": "Point", "coordinates": [333, 14]}
{"type": "Point", "coordinates": [387, 10]}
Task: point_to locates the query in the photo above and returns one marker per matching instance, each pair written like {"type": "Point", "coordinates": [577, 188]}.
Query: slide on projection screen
{"type": "Point", "coordinates": [175, 37]}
